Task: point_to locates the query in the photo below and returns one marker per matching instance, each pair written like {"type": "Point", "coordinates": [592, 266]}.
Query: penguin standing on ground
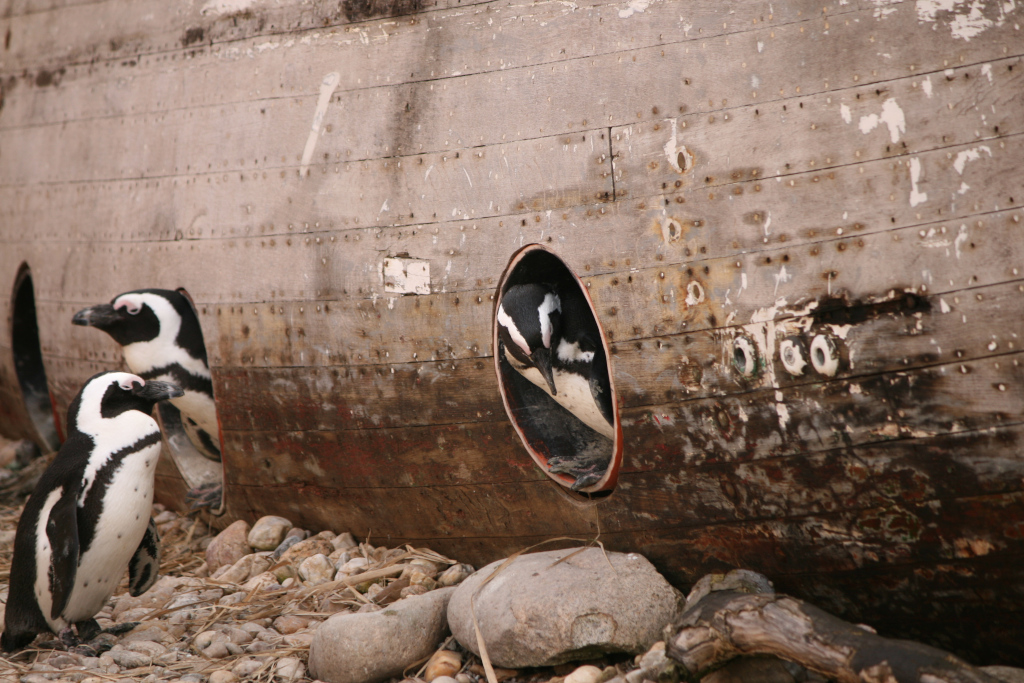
{"type": "Point", "coordinates": [89, 516]}
{"type": "Point", "coordinates": [160, 338]}
{"type": "Point", "coordinates": [551, 339]}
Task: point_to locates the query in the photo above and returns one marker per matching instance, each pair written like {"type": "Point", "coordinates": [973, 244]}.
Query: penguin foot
{"type": "Point", "coordinates": [205, 496]}
{"type": "Point", "coordinates": [121, 629]}
{"type": "Point", "coordinates": [68, 638]}
{"type": "Point", "coordinates": [585, 480]}
{"type": "Point", "coordinates": [87, 629]}
{"type": "Point", "coordinates": [101, 643]}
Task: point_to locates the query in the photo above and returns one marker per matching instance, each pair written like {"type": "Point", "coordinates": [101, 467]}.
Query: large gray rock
{"type": "Point", "coordinates": [268, 532]}
{"type": "Point", "coordinates": [538, 613]}
{"type": "Point", "coordinates": [368, 647]}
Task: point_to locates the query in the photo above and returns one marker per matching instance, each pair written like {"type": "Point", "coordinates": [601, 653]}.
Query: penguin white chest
{"type": "Point", "coordinates": [574, 394]}
{"type": "Point", "coordinates": [127, 504]}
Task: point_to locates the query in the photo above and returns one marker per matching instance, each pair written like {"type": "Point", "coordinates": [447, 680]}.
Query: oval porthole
{"type": "Point", "coordinates": [554, 374]}
{"type": "Point", "coordinates": [28, 362]}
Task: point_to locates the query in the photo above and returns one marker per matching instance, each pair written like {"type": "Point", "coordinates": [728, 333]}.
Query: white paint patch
{"type": "Point", "coordinates": [965, 19]}
{"type": "Point", "coordinates": [632, 7]}
{"type": "Point", "coordinates": [694, 293]}
{"type": "Point", "coordinates": [405, 275]}
{"type": "Point", "coordinates": [964, 187]}
{"type": "Point", "coordinates": [844, 111]}
{"type": "Point", "coordinates": [327, 87]}
{"type": "Point", "coordinates": [986, 70]}
{"type": "Point", "coordinates": [969, 155]}
{"type": "Point", "coordinates": [674, 151]}
{"type": "Point", "coordinates": [760, 47]}
{"type": "Point", "coordinates": [882, 8]}
{"type": "Point", "coordinates": [916, 197]}
{"type": "Point", "coordinates": [892, 116]}
{"type": "Point", "coordinates": [783, 276]}
{"type": "Point", "coordinates": [926, 85]}
{"type": "Point", "coordinates": [220, 7]}
{"type": "Point", "coordinates": [961, 237]}
{"type": "Point", "coordinates": [943, 306]}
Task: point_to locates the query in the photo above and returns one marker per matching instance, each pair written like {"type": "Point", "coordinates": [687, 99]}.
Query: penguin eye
{"type": "Point", "coordinates": [131, 307]}
{"type": "Point", "coordinates": [129, 384]}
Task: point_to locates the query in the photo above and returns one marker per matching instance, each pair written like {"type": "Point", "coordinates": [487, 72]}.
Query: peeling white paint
{"type": "Point", "coordinates": [986, 70]}
{"type": "Point", "coordinates": [965, 19]}
{"type": "Point", "coordinates": [926, 85]}
{"type": "Point", "coordinates": [673, 150]}
{"type": "Point", "coordinates": [694, 293]}
{"type": "Point", "coordinates": [219, 7]}
{"type": "Point", "coordinates": [892, 116]}
{"type": "Point", "coordinates": [844, 111]}
{"type": "Point", "coordinates": [963, 188]}
{"type": "Point", "coordinates": [782, 277]}
{"type": "Point", "coordinates": [961, 237]}
{"type": "Point", "coordinates": [633, 7]}
{"type": "Point", "coordinates": [969, 155]}
{"type": "Point", "coordinates": [405, 275]}
{"type": "Point", "coordinates": [882, 8]}
{"type": "Point", "coordinates": [916, 197]}
{"type": "Point", "coordinates": [327, 87]}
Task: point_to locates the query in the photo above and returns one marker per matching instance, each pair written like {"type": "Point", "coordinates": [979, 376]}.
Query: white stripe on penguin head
{"type": "Point", "coordinates": [550, 304]}
{"type": "Point", "coordinates": [505, 321]}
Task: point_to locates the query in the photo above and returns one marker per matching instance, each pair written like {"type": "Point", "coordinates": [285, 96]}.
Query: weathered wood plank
{"type": "Point", "coordinates": [436, 44]}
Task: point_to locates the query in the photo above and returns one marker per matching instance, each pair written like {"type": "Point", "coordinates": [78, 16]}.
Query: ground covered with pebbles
{"type": "Point", "coordinates": [245, 604]}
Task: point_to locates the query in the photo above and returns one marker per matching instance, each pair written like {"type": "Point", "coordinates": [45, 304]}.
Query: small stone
{"type": "Point", "coordinates": [218, 650]}
{"type": "Point", "coordinates": [193, 678]}
{"type": "Point", "coordinates": [268, 532]}
{"type": "Point", "coordinates": [245, 568]}
{"type": "Point", "coordinates": [284, 571]}
{"type": "Point", "coordinates": [261, 582]}
{"type": "Point", "coordinates": [258, 646]}
{"type": "Point", "coordinates": [229, 546]}
{"type": "Point", "coordinates": [455, 575]}
{"type": "Point", "coordinates": [146, 647]}
{"type": "Point", "coordinates": [126, 659]}
{"type": "Point", "coordinates": [246, 667]}
{"type": "Point", "coordinates": [316, 569]}
{"type": "Point", "coordinates": [223, 676]}
{"type": "Point", "coordinates": [343, 541]}
{"type": "Point", "coordinates": [207, 638]}
{"type": "Point", "coordinates": [327, 535]}
{"type": "Point", "coordinates": [290, 624]}
{"type": "Point", "coordinates": [356, 565]}
{"type": "Point", "coordinates": [464, 678]}
{"type": "Point", "coordinates": [238, 636]}
{"type": "Point", "coordinates": [347, 647]}
{"type": "Point", "coordinates": [414, 590]}
{"type": "Point", "coordinates": [584, 674]}
{"type": "Point", "coordinates": [298, 533]}
{"type": "Point", "coordinates": [301, 640]}
{"type": "Point", "coordinates": [303, 549]}
{"type": "Point", "coordinates": [290, 669]}
{"type": "Point", "coordinates": [424, 567]}
{"type": "Point", "coordinates": [443, 663]}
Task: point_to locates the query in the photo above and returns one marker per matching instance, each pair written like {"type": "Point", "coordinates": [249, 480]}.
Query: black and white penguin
{"type": "Point", "coordinates": [160, 338]}
{"type": "Point", "coordinates": [89, 516]}
{"type": "Point", "coordinates": [552, 340]}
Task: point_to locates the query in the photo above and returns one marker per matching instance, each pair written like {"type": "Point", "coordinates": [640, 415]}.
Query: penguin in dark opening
{"type": "Point", "coordinates": [89, 516]}
{"type": "Point", "coordinates": [160, 338]}
{"type": "Point", "coordinates": [551, 339]}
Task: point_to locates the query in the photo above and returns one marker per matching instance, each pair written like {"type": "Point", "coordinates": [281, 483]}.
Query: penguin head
{"type": "Point", "coordinates": [530, 326]}
{"type": "Point", "coordinates": [147, 315]}
{"type": "Point", "coordinates": [110, 394]}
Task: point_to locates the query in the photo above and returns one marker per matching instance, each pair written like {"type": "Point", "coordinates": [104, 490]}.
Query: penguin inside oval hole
{"type": "Point", "coordinates": [160, 338]}
{"type": "Point", "coordinates": [560, 392]}
{"type": "Point", "coordinates": [89, 517]}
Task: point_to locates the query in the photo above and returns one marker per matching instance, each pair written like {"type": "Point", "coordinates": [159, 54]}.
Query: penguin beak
{"type": "Point", "coordinates": [101, 316]}
{"type": "Point", "coordinates": [156, 391]}
{"type": "Point", "coordinates": [542, 360]}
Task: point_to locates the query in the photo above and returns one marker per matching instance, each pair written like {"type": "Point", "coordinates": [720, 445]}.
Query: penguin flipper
{"type": "Point", "coordinates": [62, 530]}
{"type": "Point", "coordinates": [144, 567]}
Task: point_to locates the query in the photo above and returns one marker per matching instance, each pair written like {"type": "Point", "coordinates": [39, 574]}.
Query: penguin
{"type": "Point", "coordinates": [88, 518]}
{"type": "Point", "coordinates": [551, 338]}
{"type": "Point", "coordinates": [160, 338]}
